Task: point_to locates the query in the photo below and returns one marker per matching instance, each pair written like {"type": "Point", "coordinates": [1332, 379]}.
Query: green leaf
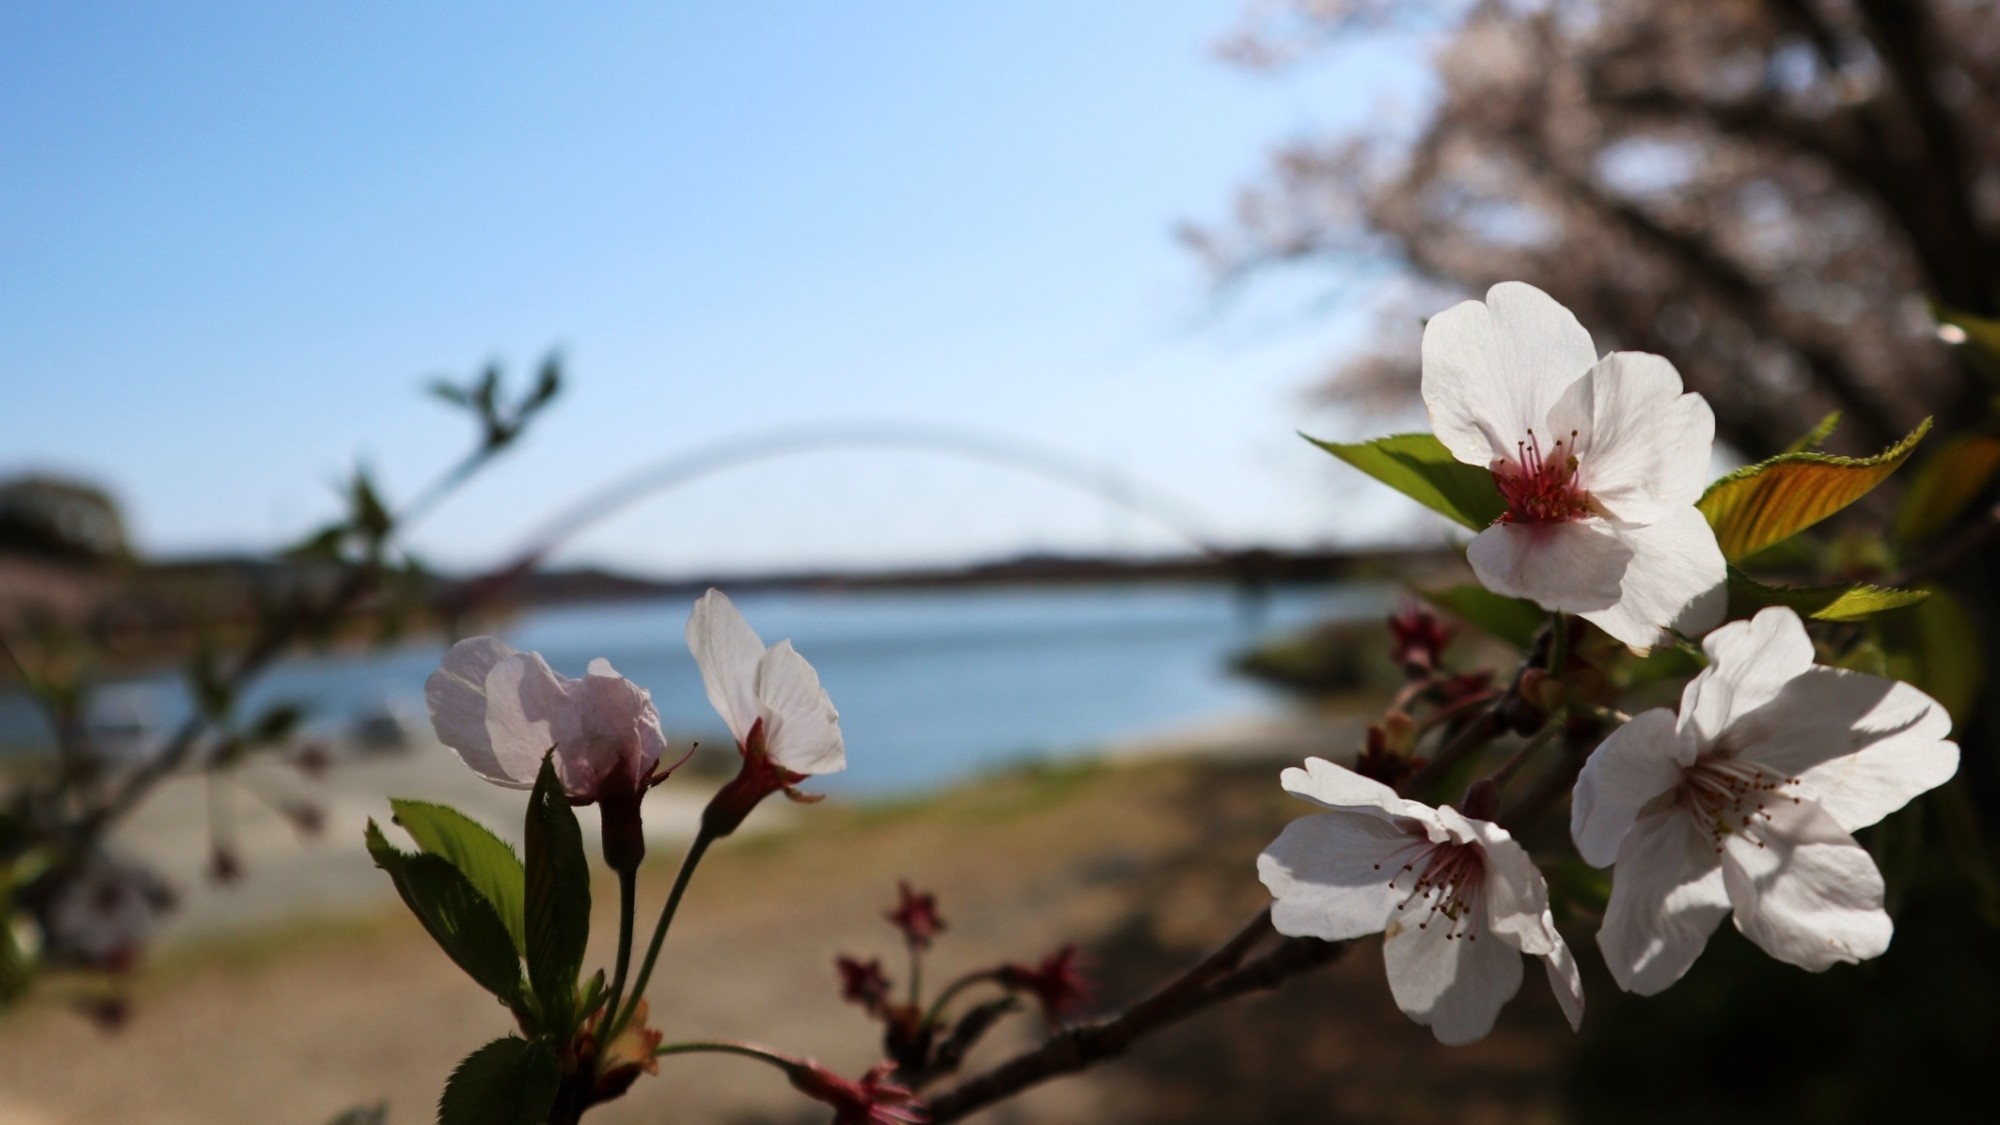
{"type": "Point", "coordinates": [1945, 483]}
{"type": "Point", "coordinates": [1816, 437]}
{"type": "Point", "coordinates": [17, 971]}
{"type": "Point", "coordinates": [1937, 649]}
{"type": "Point", "coordinates": [483, 858]}
{"type": "Point", "coordinates": [377, 1114]}
{"type": "Point", "coordinates": [461, 921]}
{"type": "Point", "coordinates": [1774, 500]}
{"type": "Point", "coordinates": [1822, 603]}
{"type": "Point", "coordinates": [558, 903]}
{"type": "Point", "coordinates": [1982, 337]}
{"type": "Point", "coordinates": [1514, 620]}
{"type": "Point", "coordinates": [1420, 467]}
{"type": "Point", "coordinates": [509, 1081]}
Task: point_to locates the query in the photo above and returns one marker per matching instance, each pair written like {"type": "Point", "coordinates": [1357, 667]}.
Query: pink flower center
{"type": "Point", "coordinates": [1450, 878]}
{"type": "Point", "coordinates": [1540, 486]}
{"type": "Point", "coordinates": [1726, 794]}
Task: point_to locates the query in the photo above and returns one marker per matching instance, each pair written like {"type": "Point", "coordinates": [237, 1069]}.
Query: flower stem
{"type": "Point", "coordinates": [1558, 644]}
{"type": "Point", "coordinates": [688, 862]}
{"type": "Point", "coordinates": [916, 974]}
{"type": "Point", "coordinates": [1528, 750]}
{"type": "Point", "coordinates": [951, 991]}
{"type": "Point", "coordinates": [628, 890]}
{"type": "Point", "coordinates": [727, 1047]}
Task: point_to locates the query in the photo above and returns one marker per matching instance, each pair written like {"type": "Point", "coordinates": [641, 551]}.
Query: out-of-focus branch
{"type": "Point", "coordinates": [1222, 975]}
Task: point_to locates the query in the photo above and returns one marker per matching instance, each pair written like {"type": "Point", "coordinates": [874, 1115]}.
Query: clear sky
{"type": "Point", "coordinates": [237, 238]}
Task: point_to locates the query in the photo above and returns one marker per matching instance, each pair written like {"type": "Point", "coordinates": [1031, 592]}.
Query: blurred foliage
{"type": "Point", "coordinates": [61, 519]}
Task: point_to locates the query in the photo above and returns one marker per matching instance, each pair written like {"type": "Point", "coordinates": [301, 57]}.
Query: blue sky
{"type": "Point", "coordinates": [240, 237]}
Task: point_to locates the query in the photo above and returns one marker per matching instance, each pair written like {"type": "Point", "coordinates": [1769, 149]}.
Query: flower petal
{"type": "Point", "coordinates": [455, 695]}
{"type": "Point", "coordinates": [1456, 985]}
{"type": "Point", "coordinates": [1566, 981]}
{"type": "Point", "coordinates": [1491, 371]}
{"type": "Point", "coordinates": [1666, 898]}
{"type": "Point", "coordinates": [528, 713]}
{"type": "Point", "coordinates": [1515, 897]}
{"type": "Point", "coordinates": [802, 730]}
{"type": "Point", "coordinates": [621, 733]}
{"type": "Point", "coordinates": [1674, 581]}
{"type": "Point", "coordinates": [1330, 874]}
{"type": "Point", "coordinates": [727, 650]}
{"type": "Point", "coordinates": [1336, 787]}
{"type": "Point", "coordinates": [1577, 566]}
{"type": "Point", "coordinates": [1641, 445]}
{"type": "Point", "coordinates": [1750, 662]}
{"type": "Point", "coordinates": [1803, 890]}
{"type": "Point", "coordinates": [1638, 763]}
{"type": "Point", "coordinates": [1861, 746]}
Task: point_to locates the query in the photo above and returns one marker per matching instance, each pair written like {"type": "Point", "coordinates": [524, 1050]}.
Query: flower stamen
{"type": "Point", "coordinates": [1540, 486]}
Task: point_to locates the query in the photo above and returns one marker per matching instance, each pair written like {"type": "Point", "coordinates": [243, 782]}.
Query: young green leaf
{"type": "Point", "coordinates": [483, 858]}
{"type": "Point", "coordinates": [1420, 467]}
{"type": "Point", "coordinates": [1937, 649]}
{"type": "Point", "coordinates": [1944, 484]}
{"type": "Point", "coordinates": [461, 921]}
{"type": "Point", "coordinates": [1771, 501]}
{"type": "Point", "coordinates": [1823, 603]}
{"type": "Point", "coordinates": [558, 901]}
{"type": "Point", "coordinates": [509, 1081]}
{"type": "Point", "coordinates": [1981, 336]}
{"type": "Point", "coordinates": [1514, 620]}
{"type": "Point", "coordinates": [1816, 437]}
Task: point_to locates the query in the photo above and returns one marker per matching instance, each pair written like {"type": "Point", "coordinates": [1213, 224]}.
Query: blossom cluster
{"type": "Point", "coordinates": [1742, 804]}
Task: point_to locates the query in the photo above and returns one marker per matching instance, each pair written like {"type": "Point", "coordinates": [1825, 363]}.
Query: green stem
{"type": "Point", "coordinates": [1558, 645]}
{"type": "Point", "coordinates": [1513, 765]}
{"type": "Point", "coordinates": [688, 862]}
{"type": "Point", "coordinates": [726, 1047]}
{"type": "Point", "coordinates": [916, 975]}
{"type": "Point", "coordinates": [628, 894]}
{"type": "Point", "coordinates": [936, 1012]}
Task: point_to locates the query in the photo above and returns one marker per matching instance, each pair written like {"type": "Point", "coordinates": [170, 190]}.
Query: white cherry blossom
{"type": "Point", "coordinates": [1600, 462]}
{"type": "Point", "coordinates": [1746, 803]}
{"type": "Point", "coordinates": [502, 710]}
{"type": "Point", "coordinates": [1457, 900]}
{"type": "Point", "coordinates": [769, 697]}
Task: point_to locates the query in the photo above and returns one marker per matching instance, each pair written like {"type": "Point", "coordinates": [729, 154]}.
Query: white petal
{"type": "Point", "coordinates": [727, 650]}
{"type": "Point", "coordinates": [802, 730]}
{"type": "Point", "coordinates": [1641, 445]}
{"type": "Point", "coordinates": [1330, 873]}
{"type": "Point", "coordinates": [1666, 898]}
{"type": "Point", "coordinates": [1336, 787]}
{"type": "Point", "coordinates": [1675, 581]}
{"type": "Point", "coordinates": [1566, 981]}
{"type": "Point", "coordinates": [1861, 746]}
{"type": "Point", "coordinates": [1577, 566]}
{"type": "Point", "coordinates": [1638, 763]}
{"type": "Point", "coordinates": [620, 728]}
{"type": "Point", "coordinates": [1515, 897]}
{"type": "Point", "coordinates": [1456, 985]}
{"type": "Point", "coordinates": [1803, 890]}
{"type": "Point", "coordinates": [1491, 371]}
{"type": "Point", "coordinates": [528, 713]}
{"type": "Point", "coordinates": [1750, 662]}
{"type": "Point", "coordinates": [455, 694]}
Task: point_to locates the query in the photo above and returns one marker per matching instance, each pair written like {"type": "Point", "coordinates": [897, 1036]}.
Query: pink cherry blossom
{"type": "Point", "coordinates": [502, 710]}
{"type": "Point", "coordinates": [1745, 805]}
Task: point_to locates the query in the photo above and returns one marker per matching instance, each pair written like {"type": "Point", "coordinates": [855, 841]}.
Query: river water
{"type": "Point", "coordinates": [932, 686]}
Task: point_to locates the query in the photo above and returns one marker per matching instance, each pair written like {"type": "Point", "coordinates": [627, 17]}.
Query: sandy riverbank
{"type": "Point", "coordinates": [1145, 861]}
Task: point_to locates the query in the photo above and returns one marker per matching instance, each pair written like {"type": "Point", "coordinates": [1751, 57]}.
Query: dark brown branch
{"type": "Point", "coordinates": [1079, 1047]}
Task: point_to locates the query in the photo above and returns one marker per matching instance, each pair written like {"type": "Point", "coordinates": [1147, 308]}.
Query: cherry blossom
{"type": "Point", "coordinates": [1746, 803]}
{"type": "Point", "coordinates": [502, 710]}
{"type": "Point", "coordinates": [783, 723]}
{"type": "Point", "coordinates": [1600, 462]}
{"type": "Point", "coordinates": [1457, 900]}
